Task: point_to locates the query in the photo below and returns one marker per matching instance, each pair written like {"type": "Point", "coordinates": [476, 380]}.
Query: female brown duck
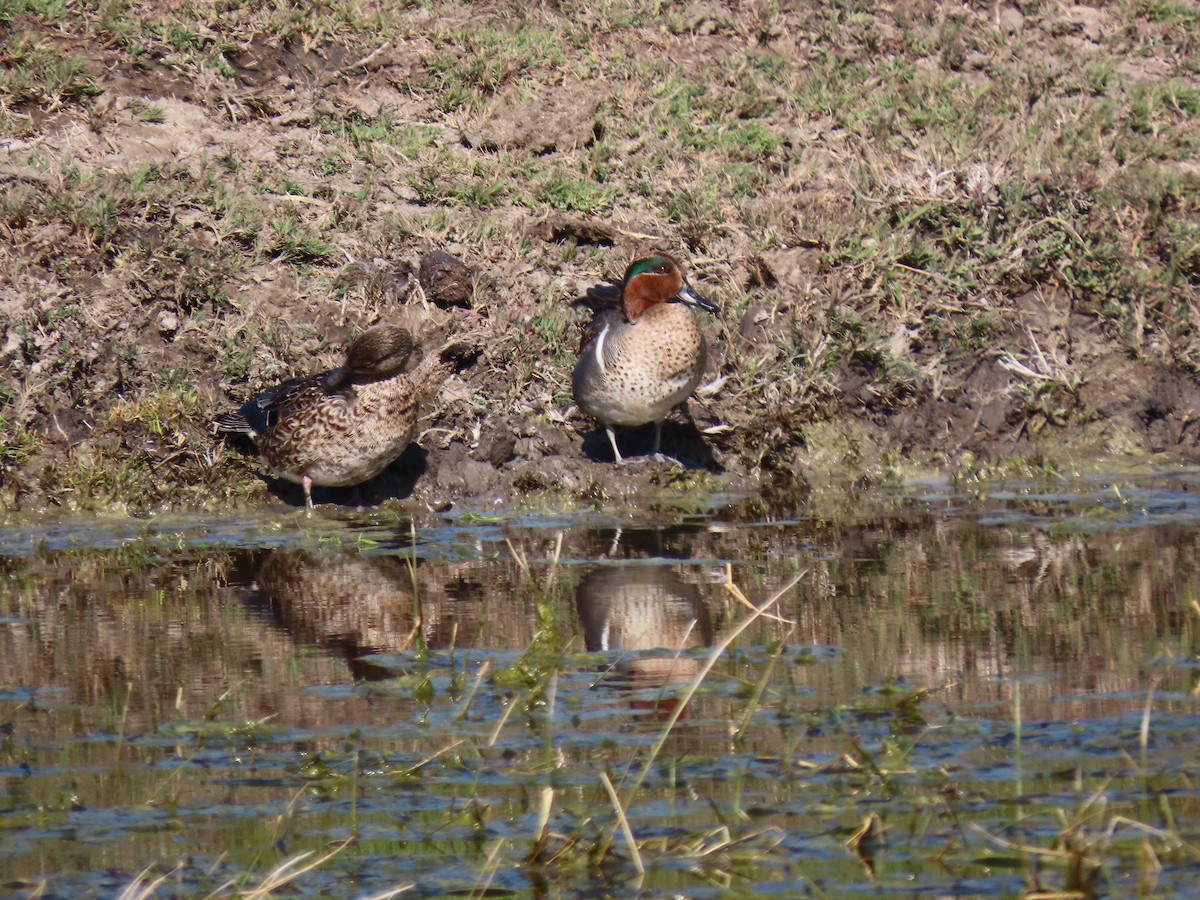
{"type": "Point", "coordinates": [343, 427]}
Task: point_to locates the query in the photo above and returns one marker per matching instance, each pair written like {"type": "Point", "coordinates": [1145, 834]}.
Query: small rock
{"type": "Point", "coordinates": [498, 448]}
{"type": "Point", "coordinates": [168, 323]}
{"type": "Point", "coordinates": [754, 323]}
{"type": "Point", "coordinates": [1010, 20]}
{"type": "Point", "coordinates": [12, 347]}
{"type": "Point", "coordinates": [446, 279]}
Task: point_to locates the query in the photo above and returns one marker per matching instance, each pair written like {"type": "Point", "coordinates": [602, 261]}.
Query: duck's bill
{"type": "Point", "coordinates": [691, 298]}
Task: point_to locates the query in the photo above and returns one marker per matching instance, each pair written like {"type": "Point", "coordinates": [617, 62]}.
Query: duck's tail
{"type": "Point", "coordinates": [451, 358]}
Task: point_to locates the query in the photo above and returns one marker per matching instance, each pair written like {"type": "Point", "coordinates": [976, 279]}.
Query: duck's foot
{"type": "Point", "coordinates": [652, 461]}
{"type": "Point", "coordinates": [663, 460]}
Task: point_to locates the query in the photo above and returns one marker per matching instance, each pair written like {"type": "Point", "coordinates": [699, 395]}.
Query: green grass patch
{"type": "Point", "coordinates": [294, 241]}
{"type": "Point", "coordinates": [577, 195]}
{"type": "Point", "coordinates": [474, 64]}
{"type": "Point", "coordinates": [33, 73]}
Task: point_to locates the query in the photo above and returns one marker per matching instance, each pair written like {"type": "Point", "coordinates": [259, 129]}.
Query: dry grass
{"type": "Point", "coordinates": [890, 204]}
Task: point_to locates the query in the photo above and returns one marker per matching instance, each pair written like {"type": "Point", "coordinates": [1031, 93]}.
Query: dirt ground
{"type": "Point", "coordinates": [964, 238]}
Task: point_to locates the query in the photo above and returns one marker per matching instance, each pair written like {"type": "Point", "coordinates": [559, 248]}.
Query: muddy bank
{"type": "Point", "coordinates": [964, 239]}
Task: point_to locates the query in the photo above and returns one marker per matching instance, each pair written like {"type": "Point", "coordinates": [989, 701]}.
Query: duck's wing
{"type": "Point", "coordinates": [261, 413]}
{"type": "Point", "coordinates": [593, 329]}
{"type": "Point", "coordinates": [331, 382]}
{"type": "Point", "coordinates": [604, 300]}
{"type": "Point", "coordinates": [601, 297]}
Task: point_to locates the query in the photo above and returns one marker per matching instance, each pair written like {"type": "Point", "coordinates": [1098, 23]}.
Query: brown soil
{"type": "Point", "coordinates": [93, 311]}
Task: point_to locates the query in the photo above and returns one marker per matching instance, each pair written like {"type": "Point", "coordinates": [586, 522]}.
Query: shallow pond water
{"type": "Point", "coordinates": [956, 693]}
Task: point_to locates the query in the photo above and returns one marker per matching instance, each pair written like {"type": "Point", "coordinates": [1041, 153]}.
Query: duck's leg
{"type": "Point", "coordinates": [308, 505]}
{"type": "Point", "coordinates": [612, 439]}
{"type": "Point", "coordinates": [658, 455]}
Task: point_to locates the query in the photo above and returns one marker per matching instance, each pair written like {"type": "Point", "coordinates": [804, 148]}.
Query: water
{"type": "Point", "coordinates": [965, 694]}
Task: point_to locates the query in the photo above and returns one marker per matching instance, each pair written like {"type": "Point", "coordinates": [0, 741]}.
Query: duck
{"type": "Point", "coordinates": [643, 358]}
{"type": "Point", "coordinates": [343, 427]}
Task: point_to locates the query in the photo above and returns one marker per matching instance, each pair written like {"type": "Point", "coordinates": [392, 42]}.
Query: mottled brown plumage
{"type": "Point", "coordinates": [345, 426]}
{"type": "Point", "coordinates": [645, 358]}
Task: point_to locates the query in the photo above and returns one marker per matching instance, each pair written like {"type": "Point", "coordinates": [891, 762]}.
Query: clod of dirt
{"type": "Point", "coordinates": [562, 118]}
{"type": "Point", "coordinates": [460, 475]}
{"type": "Point", "coordinates": [385, 278]}
{"type": "Point", "coordinates": [755, 324]}
{"type": "Point", "coordinates": [761, 274]}
{"type": "Point", "coordinates": [446, 279]}
{"type": "Point", "coordinates": [498, 447]}
{"type": "Point", "coordinates": [557, 227]}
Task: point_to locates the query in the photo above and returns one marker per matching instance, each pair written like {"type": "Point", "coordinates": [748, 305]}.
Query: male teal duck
{"type": "Point", "coordinates": [632, 611]}
{"type": "Point", "coordinates": [641, 360]}
{"type": "Point", "coordinates": [345, 426]}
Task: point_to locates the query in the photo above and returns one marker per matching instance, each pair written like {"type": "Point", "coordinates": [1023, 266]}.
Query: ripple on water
{"type": "Point", "coordinates": [975, 671]}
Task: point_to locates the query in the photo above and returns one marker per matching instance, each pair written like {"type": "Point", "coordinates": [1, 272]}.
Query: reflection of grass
{"type": "Point", "coordinates": [273, 883]}
{"type": "Point", "coordinates": [522, 761]}
{"type": "Point", "coordinates": [626, 791]}
{"type": "Point", "coordinates": [880, 796]}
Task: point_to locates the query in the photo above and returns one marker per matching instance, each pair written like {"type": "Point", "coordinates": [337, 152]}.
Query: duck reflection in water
{"type": "Point", "coordinates": [641, 608]}
{"type": "Point", "coordinates": [353, 605]}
